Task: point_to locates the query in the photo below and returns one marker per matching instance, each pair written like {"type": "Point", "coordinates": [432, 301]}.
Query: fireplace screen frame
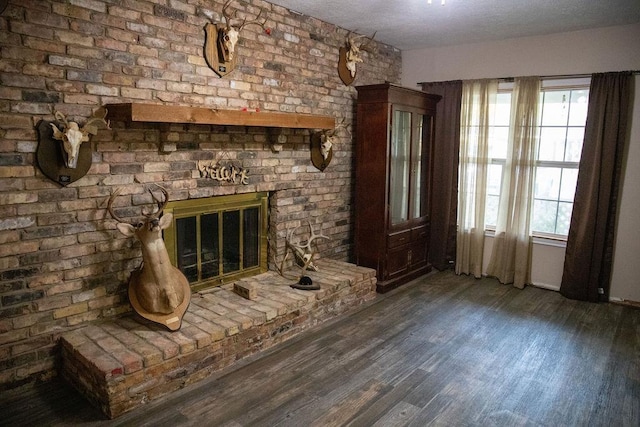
{"type": "Point", "coordinates": [218, 207]}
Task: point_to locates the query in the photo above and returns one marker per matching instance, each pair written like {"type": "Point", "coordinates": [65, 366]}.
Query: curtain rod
{"type": "Point", "coordinates": [553, 76]}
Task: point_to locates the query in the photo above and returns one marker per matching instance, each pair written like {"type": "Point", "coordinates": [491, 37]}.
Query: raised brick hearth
{"type": "Point", "coordinates": [121, 364]}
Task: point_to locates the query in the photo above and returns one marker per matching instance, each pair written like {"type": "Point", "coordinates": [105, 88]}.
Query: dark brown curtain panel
{"type": "Point", "coordinates": [588, 260]}
{"type": "Point", "coordinates": [444, 195]}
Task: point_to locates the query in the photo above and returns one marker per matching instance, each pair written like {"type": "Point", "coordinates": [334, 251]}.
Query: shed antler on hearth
{"type": "Point", "coordinates": [302, 250]}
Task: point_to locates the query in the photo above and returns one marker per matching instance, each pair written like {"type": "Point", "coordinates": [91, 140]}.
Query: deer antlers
{"type": "Point", "coordinates": [352, 54]}
{"type": "Point", "coordinates": [365, 47]}
{"type": "Point", "coordinates": [303, 252]}
{"type": "Point", "coordinates": [151, 216]}
{"type": "Point", "coordinates": [228, 18]}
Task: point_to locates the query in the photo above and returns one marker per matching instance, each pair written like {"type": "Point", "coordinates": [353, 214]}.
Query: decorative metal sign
{"type": "Point", "coordinates": [212, 169]}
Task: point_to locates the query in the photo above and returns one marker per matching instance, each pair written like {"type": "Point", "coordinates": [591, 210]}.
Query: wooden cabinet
{"type": "Point", "coordinates": [394, 135]}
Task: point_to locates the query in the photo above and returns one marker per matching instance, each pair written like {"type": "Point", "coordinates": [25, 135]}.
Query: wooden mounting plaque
{"type": "Point", "coordinates": [316, 153]}
{"type": "Point", "coordinates": [343, 71]}
{"type": "Point", "coordinates": [50, 157]}
{"type": "Point", "coordinates": [212, 52]}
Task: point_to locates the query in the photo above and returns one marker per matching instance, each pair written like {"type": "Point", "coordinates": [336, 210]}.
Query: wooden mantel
{"type": "Point", "coordinates": [158, 113]}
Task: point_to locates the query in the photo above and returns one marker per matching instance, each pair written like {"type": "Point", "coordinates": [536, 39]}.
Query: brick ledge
{"type": "Point", "coordinates": [123, 363]}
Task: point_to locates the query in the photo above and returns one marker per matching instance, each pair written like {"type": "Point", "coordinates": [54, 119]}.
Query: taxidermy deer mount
{"type": "Point", "coordinates": [351, 55]}
{"type": "Point", "coordinates": [222, 39]}
{"type": "Point", "coordinates": [322, 145]}
{"type": "Point", "coordinates": [158, 291]}
{"type": "Point", "coordinates": [71, 160]}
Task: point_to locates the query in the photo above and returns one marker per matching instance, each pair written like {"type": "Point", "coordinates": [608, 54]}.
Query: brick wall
{"type": "Point", "coordinates": [62, 263]}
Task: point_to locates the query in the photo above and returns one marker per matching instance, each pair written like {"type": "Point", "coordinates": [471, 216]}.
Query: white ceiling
{"type": "Point", "coordinates": [413, 24]}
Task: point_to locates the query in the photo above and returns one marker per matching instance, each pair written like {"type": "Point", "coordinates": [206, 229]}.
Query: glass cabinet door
{"type": "Point", "coordinates": [416, 169]}
{"type": "Point", "coordinates": [399, 166]}
{"type": "Point", "coordinates": [419, 196]}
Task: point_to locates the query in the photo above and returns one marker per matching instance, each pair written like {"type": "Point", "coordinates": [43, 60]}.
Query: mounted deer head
{"type": "Point", "coordinates": [327, 138]}
{"type": "Point", "coordinates": [351, 55]}
{"type": "Point", "coordinates": [158, 291]}
{"type": "Point", "coordinates": [322, 145]}
{"type": "Point", "coordinates": [221, 39]}
{"type": "Point", "coordinates": [230, 33]}
{"type": "Point", "coordinates": [72, 135]}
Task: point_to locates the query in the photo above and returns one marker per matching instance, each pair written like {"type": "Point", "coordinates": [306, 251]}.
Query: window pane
{"type": "Point", "coordinates": [544, 216]}
{"type": "Point", "coordinates": [555, 109]}
{"type": "Point", "coordinates": [209, 242]}
{"type": "Point", "coordinates": [575, 137]}
{"type": "Point", "coordinates": [230, 241]}
{"type": "Point", "coordinates": [491, 210]}
{"type": "Point", "coordinates": [564, 218]}
{"type": "Point", "coordinates": [568, 186]}
{"type": "Point", "coordinates": [502, 111]}
{"type": "Point", "coordinates": [494, 177]}
{"type": "Point", "coordinates": [250, 237]}
{"type": "Point", "coordinates": [552, 144]}
{"type": "Point", "coordinates": [579, 105]}
{"type": "Point", "coordinates": [547, 183]}
{"type": "Point", "coordinates": [498, 141]}
{"type": "Point", "coordinates": [187, 247]}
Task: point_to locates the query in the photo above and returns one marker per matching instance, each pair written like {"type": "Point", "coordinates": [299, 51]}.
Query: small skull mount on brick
{"type": "Point", "coordinates": [158, 291]}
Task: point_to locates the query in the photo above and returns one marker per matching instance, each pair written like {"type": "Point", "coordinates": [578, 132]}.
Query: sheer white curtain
{"type": "Point", "coordinates": [477, 98]}
{"type": "Point", "coordinates": [511, 255]}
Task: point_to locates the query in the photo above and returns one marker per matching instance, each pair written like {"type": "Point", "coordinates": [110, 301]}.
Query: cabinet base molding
{"type": "Point", "coordinates": [389, 285]}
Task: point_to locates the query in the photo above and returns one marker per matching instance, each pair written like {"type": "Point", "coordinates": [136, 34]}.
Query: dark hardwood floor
{"type": "Point", "coordinates": [443, 350]}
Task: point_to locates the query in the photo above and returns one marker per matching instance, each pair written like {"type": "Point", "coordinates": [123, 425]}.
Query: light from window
{"type": "Point", "coordinates": [563, 113]}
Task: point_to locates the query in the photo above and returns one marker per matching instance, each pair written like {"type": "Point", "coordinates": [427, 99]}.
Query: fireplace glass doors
{"type": "Point", "coordinates": [218, 239]}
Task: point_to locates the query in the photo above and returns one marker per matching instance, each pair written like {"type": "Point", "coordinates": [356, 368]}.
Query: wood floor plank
{"type": "Point", "coordinates": [443, 350]}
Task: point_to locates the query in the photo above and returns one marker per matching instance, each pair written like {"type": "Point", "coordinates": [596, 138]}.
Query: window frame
{"type": "Point", "coordinates": [547, 85]}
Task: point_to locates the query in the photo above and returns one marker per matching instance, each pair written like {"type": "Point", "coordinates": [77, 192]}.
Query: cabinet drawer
{"type": "Point", "coordinates": [399, 239]}
{"type": "Point", "coordinates": [419, 233]}
{"type": "Point", "coordinates": [397, 263]}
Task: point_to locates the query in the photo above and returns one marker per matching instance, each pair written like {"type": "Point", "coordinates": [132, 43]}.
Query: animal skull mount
{"type": "Point", "coordinates": [302, 250]}
{"type": "Point", "coordinates": [222, 39]}
{"type": "Point", "coordinates": [158, 291]}
{"type": "Point", "coordinates": [70, 160]}
{"type": "Point", "coordinates": [72, 135]}
{"type": "Point", "coordinates": [322, 146]}
{"type": "Point", "coordinates": [351, 55]}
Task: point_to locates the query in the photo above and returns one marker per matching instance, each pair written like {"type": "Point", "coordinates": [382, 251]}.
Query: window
{"type": "Point", "coordinates": [563, 113]}
{"type": "Point", "coordinates": [218, 239]}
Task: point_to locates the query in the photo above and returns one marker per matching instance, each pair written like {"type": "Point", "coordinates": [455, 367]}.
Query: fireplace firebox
{"type": "Point", "coordinates": [219, 239]}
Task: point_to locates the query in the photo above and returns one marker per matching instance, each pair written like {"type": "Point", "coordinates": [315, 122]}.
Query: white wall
{"type": "Point", "coordinates": [578, 52]}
